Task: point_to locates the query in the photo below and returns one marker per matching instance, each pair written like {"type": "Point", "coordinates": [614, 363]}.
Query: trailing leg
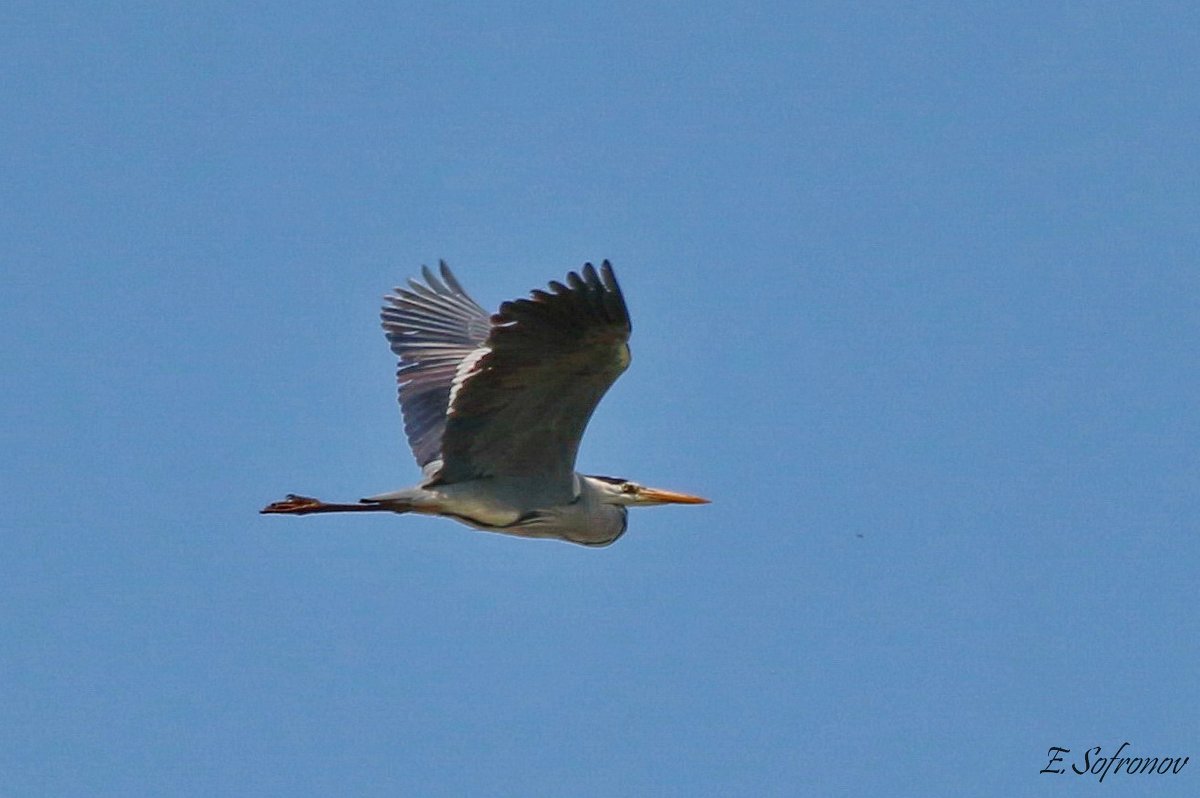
{"type": "Point", "coordinates": [305, 505]}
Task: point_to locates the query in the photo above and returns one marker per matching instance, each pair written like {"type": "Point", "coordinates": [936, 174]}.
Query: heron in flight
{"type": "Point", "coordinates": [494, 408]}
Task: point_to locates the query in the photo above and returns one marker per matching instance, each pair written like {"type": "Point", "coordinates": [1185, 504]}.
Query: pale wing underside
{"type": "Point", "coordinates": [432, 328]}
{"type": "Point", "coordinates": [521, 406]}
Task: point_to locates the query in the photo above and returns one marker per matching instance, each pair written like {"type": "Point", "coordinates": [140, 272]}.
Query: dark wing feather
{"type": "Point", "coordinates": [432, 327]}
{"type": "Point", "coordinates": [520, 408]}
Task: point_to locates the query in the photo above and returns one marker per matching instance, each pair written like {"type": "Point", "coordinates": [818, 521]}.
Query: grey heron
{"type": "Point", "coordinates": [494, 408]}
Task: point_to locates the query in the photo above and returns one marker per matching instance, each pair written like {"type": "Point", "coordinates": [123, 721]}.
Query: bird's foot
{"type": "Point", "coordinates": [295, 505]}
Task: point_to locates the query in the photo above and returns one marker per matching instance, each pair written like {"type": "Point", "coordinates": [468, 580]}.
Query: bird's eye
{"type": "Point", "coordinates": [629, 487]}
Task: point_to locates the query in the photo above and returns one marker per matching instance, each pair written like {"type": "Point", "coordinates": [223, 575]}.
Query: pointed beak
{"type": "Point", "coordinates": [656, 496]}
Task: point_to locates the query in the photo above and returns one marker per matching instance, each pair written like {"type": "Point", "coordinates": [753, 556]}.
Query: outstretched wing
{"type": "Point", "coordinates": [432, 327]}
{"type": "Point", "coordinates": [520, 407]}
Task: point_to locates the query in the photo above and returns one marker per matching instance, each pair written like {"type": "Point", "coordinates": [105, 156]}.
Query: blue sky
{"type": "Point", "coordinates": [915, 301]}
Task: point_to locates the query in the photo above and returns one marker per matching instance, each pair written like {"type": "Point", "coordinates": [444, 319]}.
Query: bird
{"type": "Point", "coordinates": [495, 406]}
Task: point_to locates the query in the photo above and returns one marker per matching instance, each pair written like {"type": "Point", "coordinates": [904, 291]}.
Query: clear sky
{"type": "Point", "coordinates": [915, 300]}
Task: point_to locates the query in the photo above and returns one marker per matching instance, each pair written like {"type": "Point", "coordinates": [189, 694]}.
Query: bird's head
{"type": "Point", "coordinates": [623, 492]}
